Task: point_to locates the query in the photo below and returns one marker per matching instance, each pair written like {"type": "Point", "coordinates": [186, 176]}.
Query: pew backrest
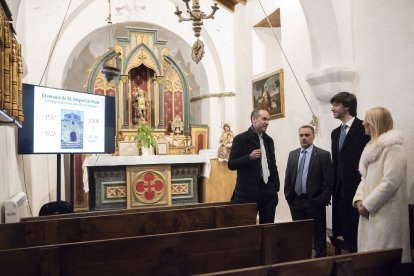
{"type": "Point", "coordinates": [47, 232]}
{"type": "Point", "coordinates": [183, 253]}
{"type": "Point", "coordinates": [372, 263]}
{"type": "Point", "coordinates": [122, 211]}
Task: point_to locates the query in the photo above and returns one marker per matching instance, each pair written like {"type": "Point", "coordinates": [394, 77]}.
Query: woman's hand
{"type": "Point", "coordinates": [362, 210]}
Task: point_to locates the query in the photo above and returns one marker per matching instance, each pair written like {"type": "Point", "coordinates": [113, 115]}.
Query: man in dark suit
{"type": "Point", "coordinates": [348, 142]}
{"type": "Point", "coordinates": [308, 185]}
{"type": "Point", "coordinates": [253, 156]}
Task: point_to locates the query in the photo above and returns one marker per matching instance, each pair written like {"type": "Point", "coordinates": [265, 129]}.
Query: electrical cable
{"type": "Point", "coordinates": [287, 60]}
{"type": "Point", "coordinates": [25, 187]}
{"type": "Point", "coordinates": [54, 43]}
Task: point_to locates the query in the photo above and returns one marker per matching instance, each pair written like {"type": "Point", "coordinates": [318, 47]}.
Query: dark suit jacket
{"type": "Point", "coordinates": [249, 172]}
{"type": "Point", "coordinates": [319, 182]}
{"type": "Point", "coordinates": [345, 163]}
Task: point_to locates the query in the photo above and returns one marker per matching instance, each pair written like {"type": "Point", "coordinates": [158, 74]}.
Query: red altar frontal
{"type": "Point", "coordinates": [116, 182]}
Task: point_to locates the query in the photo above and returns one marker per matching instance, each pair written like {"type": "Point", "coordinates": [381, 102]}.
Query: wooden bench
{"type": "Point", "coordinates": [184, 253]}
{"type": "Point", "coordinates": [67, 230]}
{"type": "Point", "coordinates": [373, 263]}
{"type": "Point", "coordinates": [123, 211]}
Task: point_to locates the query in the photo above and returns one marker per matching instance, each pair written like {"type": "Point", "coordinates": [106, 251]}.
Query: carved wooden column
{"type": "Point", "coordinates": [20, 83]}
{"type": "Point", "coordinates": [123, 99]}
{"type": "Point", "coordinates": [6, 68]}
{"type": "Point", "coordinates": [14, 79]}
{"type": "Point", "coordinates": [11, 71]}
{"type": "Point", "coordinates": [2, 22]}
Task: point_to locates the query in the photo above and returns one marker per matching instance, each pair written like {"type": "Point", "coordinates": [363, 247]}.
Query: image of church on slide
{"type": "Point", "coordinates": [71, 129]}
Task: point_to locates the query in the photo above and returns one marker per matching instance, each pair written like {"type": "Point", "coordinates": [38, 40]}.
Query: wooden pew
{"type": "Point", "coordinates": [67, 230]}
{"type": "Point", "coordinates": [184, 253]}
{"type": "Point", "coordinates": [373, 263]}
{"type": "Point", "coordinates": [123, 211]}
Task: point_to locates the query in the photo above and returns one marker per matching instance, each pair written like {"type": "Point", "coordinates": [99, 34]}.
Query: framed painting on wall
{"type": "Point", "coordinates": [267, 92]}
{"type": "Point", "coordinates": [199, 137]}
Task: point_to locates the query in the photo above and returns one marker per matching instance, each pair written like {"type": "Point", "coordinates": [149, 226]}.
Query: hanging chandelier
{"type": "Point", "coordinates": [110, 68]}
{"type": "Point", "coordinates": [196, 16]}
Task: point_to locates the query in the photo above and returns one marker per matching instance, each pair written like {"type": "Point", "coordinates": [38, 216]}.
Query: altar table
{"type": "Point", "coordinates": [115, 182]}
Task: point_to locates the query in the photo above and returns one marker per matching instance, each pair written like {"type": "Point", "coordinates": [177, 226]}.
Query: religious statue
{"type": "Point", "coordinates": [225, 143]}
{"type": "Point", "coordinates": [177, 125]}
{"type": "Point", "coordinates": [140, 106]}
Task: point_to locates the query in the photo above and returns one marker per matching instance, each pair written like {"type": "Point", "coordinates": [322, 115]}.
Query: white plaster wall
{"type": "Point", "coordinates": [10, 182]}
{"type": "Point", "coordinates": [384, 61]}
{"type": "Point", "coordinates": [266, 49]}
{"type": "Point", "coordinates": [323, 30]}
{"type": "Point", "coordinates": [343, 22]}
{"type": "Point", "coordinates": [37, 25]}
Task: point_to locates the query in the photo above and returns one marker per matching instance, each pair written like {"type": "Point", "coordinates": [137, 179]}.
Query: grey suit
{"type": "Point", "coordinates": [319, 185]}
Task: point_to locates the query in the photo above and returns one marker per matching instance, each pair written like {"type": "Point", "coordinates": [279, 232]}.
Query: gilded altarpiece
{"type": "Point", "coordinates": [11, 70]}
{"type": "Point", "coordinates": [152, 90]}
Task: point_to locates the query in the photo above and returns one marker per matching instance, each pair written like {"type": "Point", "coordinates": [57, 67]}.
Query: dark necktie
{"type": "Point", "coordinates": [298, 185]}
{"type": "Point", "coordinates": [342, 136]}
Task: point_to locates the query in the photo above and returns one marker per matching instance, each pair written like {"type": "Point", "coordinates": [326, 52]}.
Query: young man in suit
{"type": "Point", "coordinates": [308, 185]}
{"type": "Point", "coordinates": [348, 142]}
{"type": "Point", "coordinates": [253, 156]}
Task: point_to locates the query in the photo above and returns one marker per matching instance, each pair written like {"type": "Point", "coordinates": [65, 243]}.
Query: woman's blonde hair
{"type": "Point", "coordinates": [379, 121]}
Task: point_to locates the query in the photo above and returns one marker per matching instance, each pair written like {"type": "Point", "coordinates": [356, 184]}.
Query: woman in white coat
{"type": "Point", "coordinates": [381, 197]}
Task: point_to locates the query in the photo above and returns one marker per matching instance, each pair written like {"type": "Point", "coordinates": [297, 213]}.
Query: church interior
{"type": "Point", "coordinates": [192, 80]}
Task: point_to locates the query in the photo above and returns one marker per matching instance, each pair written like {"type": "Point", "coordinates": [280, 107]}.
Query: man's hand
{"type": "Point", "coordinates": [362, 210]}
{"type": "Point", "coordinates": [255, 154]}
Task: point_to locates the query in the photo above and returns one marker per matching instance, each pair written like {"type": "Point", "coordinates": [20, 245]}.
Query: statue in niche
{"type": "Point", "coordinates": [177, 125]}
{"type": "Point", "coordinates": [225, 142]}
{"type": "Point", "coordinates": [140, 106]}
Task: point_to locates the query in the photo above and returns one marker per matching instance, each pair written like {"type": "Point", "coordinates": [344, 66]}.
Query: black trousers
{"type": "Point", "coordinates": [266, 206]}
{"type": "Point", "coordinates": [302, 208]}
{"type": "Point", "coordinates": [347, 215]}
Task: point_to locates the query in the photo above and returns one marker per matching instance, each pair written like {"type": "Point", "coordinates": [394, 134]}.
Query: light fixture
{"type": "Point", "coordinates": [197, 17]}
{"type": "Point", "coordinates": [110, 68]}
